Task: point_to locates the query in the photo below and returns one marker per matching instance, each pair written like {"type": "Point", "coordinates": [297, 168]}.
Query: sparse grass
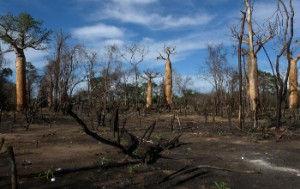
{"type": "Point", "coordinates": [221, 133]}
{"type": "Point", "coordinates": [49, 174]}
{"type": "Point", "coordinates": [157, 137]}
{"type": "Point", "coordinates": [133, 168]}
{"type": "Point", "coordinates": [221, 185]}
{"type": "Point", "coordinates": [136, 153]}
{"type": "Point", "coordinates": [103, 160]}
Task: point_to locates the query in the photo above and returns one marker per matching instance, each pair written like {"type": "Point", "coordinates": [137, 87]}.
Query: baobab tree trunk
{"type": "Point", "coordinates": [168, 82]}
{"type": "Point", "coordinates": [253, 89]}
{"type": "Point", "coordinates": [149, 94]}
{"type": "Point", "coordinates": [21, 81]}
{"type": "Point", "coordinates": [293, 83]}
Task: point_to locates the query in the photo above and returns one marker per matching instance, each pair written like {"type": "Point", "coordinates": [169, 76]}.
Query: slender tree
{"type": "Point", "coordinates": [22, 32]}
{"type": "Point", "coordinates": [240, 70]}
{"type": "Point", "coordinates": [60, 45]}
{"type": "Point", "coordinates": [49, 80]}
{"type": "Point", "coordinates": [217, 67]}
{"type": "Point", "coordinates": [90, 68]}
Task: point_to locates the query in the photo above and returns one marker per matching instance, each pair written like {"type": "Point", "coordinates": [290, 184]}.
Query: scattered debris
{"type": "Point", "coordinates": [26, 162]}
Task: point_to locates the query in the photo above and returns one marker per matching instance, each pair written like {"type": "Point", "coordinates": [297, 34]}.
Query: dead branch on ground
{"type": "Point", "coordinates": [136, 148]}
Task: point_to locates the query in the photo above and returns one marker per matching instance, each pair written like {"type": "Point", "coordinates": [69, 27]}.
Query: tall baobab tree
{"type": "Point", "coordinates": [149, 76]}
{"type": "Point", "coordinates": [252, 61]}
{"type": "Point", "coordinates": [168, 73]}
{"type": "Point", "coordinates": [293, 83]}
{"type": "Point", "coordinates": [22, 32]}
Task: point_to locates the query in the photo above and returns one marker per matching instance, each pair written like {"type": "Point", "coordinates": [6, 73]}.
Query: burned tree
{"type": "Point", "coordinates": [240, 38]}
{"type": "Point", "coordinates": [287, 33]}
{"type": "Point", "coordinates": [49, 83]}
{"type": "Point", "coordinates": [168, 74]}
{"type": "Point", "coordinates": [148, 152]}
{"type": "Point", "coordinates": [184, 84]}
{"type": "Point", "coordinates": [217, 67]}
{"type": "Point", "coordinates": [22, 32]}
{"type": "Point", "coordinates": [90, 66]}
{"type": "Point", "coordinates": [60, 45]}
{"type": "Point", "coordinates": [135, 56]}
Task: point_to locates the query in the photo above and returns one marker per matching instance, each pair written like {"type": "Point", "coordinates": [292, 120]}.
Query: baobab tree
{"type": "Point", "coordinates": [293, 83]}
{"type": "Point", "coordinates": [149, 75]}
{"type": "Point", "coordinates": [22, 32]}
{"type": "Point", "coordinates": [168, 73]}
{"type": "Point", "coordinates": [252, 74]}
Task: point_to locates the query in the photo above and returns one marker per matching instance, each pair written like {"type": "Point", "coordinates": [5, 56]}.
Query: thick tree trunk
{"type": "Point", "coordinates": [253, 90]}
{"type": "Point", "coordinates": [21, 82]}
{"type": "Point", "coordinates": [149, 94]}
{"type": "Point", "coordinates": [168, 83]}
{"type": "Point", "coordinates": [293, 83]}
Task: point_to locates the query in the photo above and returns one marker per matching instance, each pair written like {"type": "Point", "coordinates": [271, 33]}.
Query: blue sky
{"type": "Point", "coordinates": [187, 24]}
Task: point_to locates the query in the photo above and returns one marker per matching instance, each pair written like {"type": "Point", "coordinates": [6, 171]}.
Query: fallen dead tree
{"type": "Point", "coordinates": [140, 148]}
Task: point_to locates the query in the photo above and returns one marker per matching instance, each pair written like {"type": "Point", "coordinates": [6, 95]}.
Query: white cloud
{"type": "Point", "coordinates": [170, 22]}
{"type": "Point", "coordinates": [98, 31]}
{"type": "Point", "coordinates": [186, 45]}
{"type": "Point", "coordinates": [136, 12]}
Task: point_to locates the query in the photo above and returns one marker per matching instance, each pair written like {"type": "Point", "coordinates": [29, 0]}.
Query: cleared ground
{"type": "Point", "coordinates": [208, 153]}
